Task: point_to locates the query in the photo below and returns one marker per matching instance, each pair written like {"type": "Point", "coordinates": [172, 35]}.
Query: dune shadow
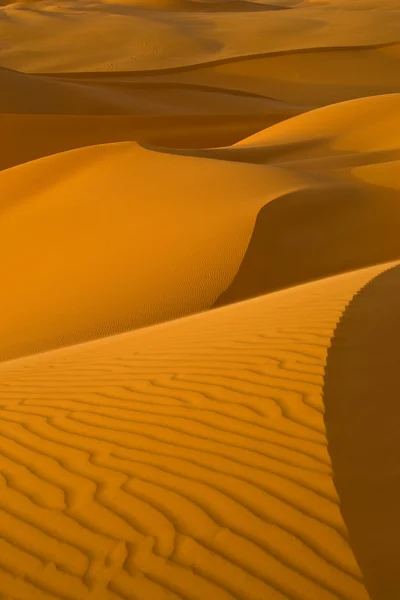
{"type": "Point", "coordinates": [227, 60]}
{"type": "Point", "coordinates": [190, 6]}
{"type": "Point", "coordinates": [315, 232]}
{"type": "Point", "coordinates": [44, 135]}
{"type": "Point", "coordinates": [362, 403]}
{"type": "Point", "coordinates": [257, 155]}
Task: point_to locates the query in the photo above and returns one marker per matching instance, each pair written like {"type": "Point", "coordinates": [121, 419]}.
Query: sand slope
{"type": "Point", "coordinates": [76, 247]}
{"type": "Point", "coordinates": [188, 460]}
{"type": "Point", "coordinates": [293, 203]}
{"type": "Point", "coordinates": [305, 75]}
{"type": "Point", "coordinates": [199, 232]}
{"type": "Point", "coordinates": [137, 35]}
{"type": "Point", "coordinates": [361, 397]}
{"type": "Point", "coordinates": [347, 217]}
{"type": "Point", "coordinates": [44, 135]}
{"type": "Point", "coordinates": [38, 94]}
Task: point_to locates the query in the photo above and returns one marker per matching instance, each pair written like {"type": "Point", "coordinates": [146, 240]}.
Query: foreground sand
{"type": "Point", "coordinates": [199, 225]}
{"type": "Point", "coordinates": [188, 460]}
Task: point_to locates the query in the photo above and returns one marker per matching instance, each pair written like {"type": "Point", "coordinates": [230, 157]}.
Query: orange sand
{"type": "Point", "coordinates": [199, 225]}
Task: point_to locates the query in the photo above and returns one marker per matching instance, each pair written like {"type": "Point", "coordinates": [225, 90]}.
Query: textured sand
{"type": "Point", "coordinates": [199, 227]}
{"type": "Point", "coordinates": [188, 460]}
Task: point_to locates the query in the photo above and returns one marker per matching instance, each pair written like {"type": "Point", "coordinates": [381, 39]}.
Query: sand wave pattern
{"type": "Point", "coordinates": [186, 461]}
{"type": "Point", "coordinates": [199, 227]}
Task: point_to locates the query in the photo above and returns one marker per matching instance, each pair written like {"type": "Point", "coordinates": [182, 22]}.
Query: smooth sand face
{"type": "Point", "coordinates": [199, 225]}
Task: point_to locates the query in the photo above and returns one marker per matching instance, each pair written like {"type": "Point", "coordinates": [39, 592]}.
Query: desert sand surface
{"type": "Point", "coordinates": [185, 460]}
{"type": "Point", "coordinates": [199, 332]}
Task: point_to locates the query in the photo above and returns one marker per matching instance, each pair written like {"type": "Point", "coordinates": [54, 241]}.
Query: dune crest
{"type": "Point", "coordinates": [199, 232]}
{"type": "Point", "coordinates": [187, 460]}
{"type": "Point", "coordinates": [360, 395]}
{"type": "Point", "coordinates": [79, 247]}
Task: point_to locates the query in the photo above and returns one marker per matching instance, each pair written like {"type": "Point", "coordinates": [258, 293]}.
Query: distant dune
{"type": "Point", "coordinates": [199, 231]}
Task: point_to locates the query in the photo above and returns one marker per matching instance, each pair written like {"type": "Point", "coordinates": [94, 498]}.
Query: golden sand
{"type": "Point", "coordinates": [199, 225]}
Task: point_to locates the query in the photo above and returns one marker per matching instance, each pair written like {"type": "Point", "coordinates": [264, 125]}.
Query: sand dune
{"type": "Point", "coordinates": [36, 94]}
{"type": "Point", "coordinates": [74, 247]}
{"type": "Point", "coordinates": [346, 218]}
{"type": "Point", "coordinates": [262, 228]}
{"type": "Point", "coordinates": [199, 232]}
{"type": "Point", "coordinates": [51, 115]}
{"type": "Point", "coordinates": [188, 460]}
{"type": "Point", "coordinates": [44, 37]}
{"type": "Point", "coordinates": [44, 135]}
{"type": "Point", "coordinates": [304, 76]}
{"type": "Point", "coordinates": [363, 432]}
{"type": "Point", "coordinates": [359, 126]}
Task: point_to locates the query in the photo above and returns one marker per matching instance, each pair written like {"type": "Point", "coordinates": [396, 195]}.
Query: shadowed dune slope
{"type": "Point", "coordinates": [361, 395]}
{"type": "Point", "coordinates": [29, 137]}
{"type": "Point", "coordinates": [347, 218]}
{"type": "Point", "coordinates": [22, 93]}
{"type": "Point", "coordinates": [40, 116]}
{"type": "Point", "coordinates": [199, 233]}
{"type": "Point", "coordinates": [328, 141]}
{"type": "Point", "coordinates": [37, 94]}
{"type": "Point", "coordinates": [260, 228]}
{"type": "Point", "coordinates": [306, 76]}
{"type": "Point", "coordinates": [187, 460]}
{"type": "Point", "coordinates": [315, 233]}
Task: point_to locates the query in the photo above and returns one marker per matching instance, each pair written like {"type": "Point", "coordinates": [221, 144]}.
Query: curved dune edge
{"type": "Point", "coordinates": [300, 217]}
{"type": "Point", "coordinates": [187, 460]}
{"type": "Point", "coordinates": [160, 158]}
{"type": "Point", "coordinates": [45, 135]}
{"type": "Point", "coordinates": [317, 232]}
{"type": "Point", "coordinates": [132, 39]}
{"type": "Point", "coordinates": [162, 248]}
{"type": "Point", "coordinates": [361, 395]}
{"type": "Point", "coordinates": [346, 218]}
{"type": "Point", "coordinates": [360, 124]}
{"type": "Point", "coordinates": [302, 77]}
{"type": "Point", "coordinates": [346, 134]}
{"type": "Point", "coordinates": [226, 60]}
{"type": "Point", "coordinates": [104, 95]}
{"type": "Point", "coordinates": [198, 6]}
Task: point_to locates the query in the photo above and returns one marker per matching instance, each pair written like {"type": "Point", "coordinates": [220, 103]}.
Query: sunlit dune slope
{"type": "Point", "coordinates": [96, 224]}
{"type": "Point", "coordinates": [47, 37]}
{"type": "Point", "coordinates": [199, 232]}
{"type": "Point", "coordinates": [361, 392]}
{"type": "Point", "coordinates": [345, 217]}
{"type": "Point", "coordinates": [187, 460]}
{"type": "Point", "coordinates": [362, 125]}
{"type": "Point", "coordinates": [108, 238]}
{"type": "Point", "coordinates": [325, 140]}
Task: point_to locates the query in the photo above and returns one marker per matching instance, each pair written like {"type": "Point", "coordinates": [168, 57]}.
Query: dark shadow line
{"type": "Point", "coordinates": [218, 62]}
{"type": "Point", "coordinates": [316, 232]}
